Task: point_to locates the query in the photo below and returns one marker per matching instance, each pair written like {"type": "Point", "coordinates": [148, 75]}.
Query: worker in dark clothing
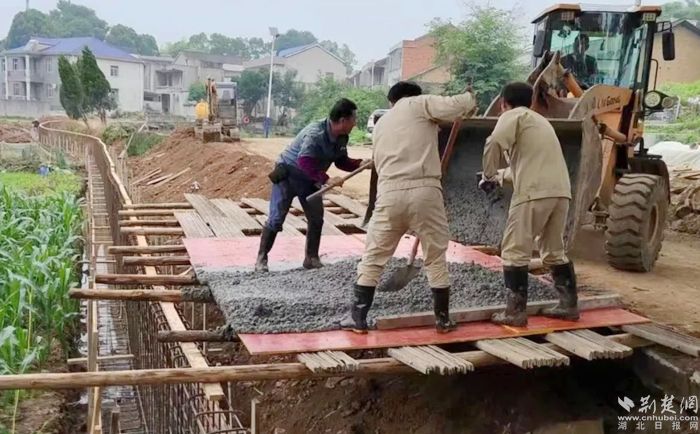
{"type": "Point", "coordinates": [583, 66]}
{"type": "Point", "coordinates": [301, 170]}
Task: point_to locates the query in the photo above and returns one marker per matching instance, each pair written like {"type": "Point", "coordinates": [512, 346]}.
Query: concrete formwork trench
{"type": "Point", "coordinates": [314, 300]}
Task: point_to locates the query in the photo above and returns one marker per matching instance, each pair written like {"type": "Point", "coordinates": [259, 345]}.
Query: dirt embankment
{"type": "Point", "coordinates": [225, 170]}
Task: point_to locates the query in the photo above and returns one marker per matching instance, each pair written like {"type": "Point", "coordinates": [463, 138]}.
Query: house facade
{"type": "Point", "coordinates": [413, 60]}
{"type": "Point", "coordinates": [686, 67]}
{"type": "Point", "coordinates": [30, 73]}
{"type": "Point", "coordinates": [311, 62]}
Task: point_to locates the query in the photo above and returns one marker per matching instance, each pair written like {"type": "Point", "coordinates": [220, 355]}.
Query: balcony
{"type": "Point", "coordinates": [17, 75]}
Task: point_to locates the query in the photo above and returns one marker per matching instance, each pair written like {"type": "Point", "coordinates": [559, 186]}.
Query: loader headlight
{"type": "Point", "coordinates": [653, 100]}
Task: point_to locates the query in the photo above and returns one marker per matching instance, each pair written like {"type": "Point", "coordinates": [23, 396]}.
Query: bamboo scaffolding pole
{"type": "Point", "coordinates": [144, 279]}
{"type": "Point", "coordinates": [154, 222]}
{"type": "Point", "coordinates": [145, 250]}
{"type": "Point", "coordinates": [262, 372]}
{"type": "Point", "coordinates": [158, 261]}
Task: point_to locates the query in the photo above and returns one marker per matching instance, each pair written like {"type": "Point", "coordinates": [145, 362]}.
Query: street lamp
{"type": "Point", "coordinates": [268, 121]}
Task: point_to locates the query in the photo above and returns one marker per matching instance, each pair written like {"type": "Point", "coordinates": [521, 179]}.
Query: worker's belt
{"type": "Point", "coordinates": [279, 173]}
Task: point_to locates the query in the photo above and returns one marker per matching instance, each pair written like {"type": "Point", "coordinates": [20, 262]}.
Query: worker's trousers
{"type": "Point", "coordinates": [545, 218]}
{"type": "Point", "coordinates": [284, 192]}
{"type": "Point", "coordinates": [420, 210]}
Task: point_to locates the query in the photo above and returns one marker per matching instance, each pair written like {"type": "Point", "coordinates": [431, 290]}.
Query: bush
{"type": "Point", "coordinates": [116, 132]}
{"type": "Point", "coordinates": [685, 130]}
{"type": "Point", "coordinates": [318, 101]}
{"type": "Point", "coordinates": [143, 142]}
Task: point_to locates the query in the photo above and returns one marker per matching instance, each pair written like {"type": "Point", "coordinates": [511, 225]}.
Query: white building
{"type": "Point", "coordinates": [311, 62]}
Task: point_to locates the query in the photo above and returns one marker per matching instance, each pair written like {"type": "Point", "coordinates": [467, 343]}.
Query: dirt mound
{"type": "Point", "coordinates": [15, 133]}
{"type": "Point", "coordinates": [215, 170]}
{"type": "Point", "coordinates": [684, 213]}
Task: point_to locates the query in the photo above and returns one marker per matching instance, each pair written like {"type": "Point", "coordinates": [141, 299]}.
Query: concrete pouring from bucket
{"type": "Point", "coordinates": [315, 300]}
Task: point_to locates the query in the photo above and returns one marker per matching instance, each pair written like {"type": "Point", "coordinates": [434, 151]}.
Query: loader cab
{"type": "Point", "coordinates": [609, 45]}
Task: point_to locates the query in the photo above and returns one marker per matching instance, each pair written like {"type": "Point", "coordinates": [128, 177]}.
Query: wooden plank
{"type": "Point", "coordinates": [523, 353]}
{"type": "Point", "coordinates": [264, 206]}
{"type": "Point", "coordinates": [147, 176]}
{"type": "Point", "coordinates": [329, 220]}
{"type": "Point", "coordinates": [349, 204]}
{"type": "Point", "coordinates": [338, 340]}
{"type": "Point", "coordinates": [159, 179]}
{"type": "Point", "coordinates": [147, 212]}
{"type": "Point", "coordinates": [431, 359]}
{"type": "Point", "coordinates": [224, 227]}
{"type": "Point", "coordinates": [168, 295]}
{"type": "Point", "coordinates": [203, 206]}
{"type": "Point", "coordinates": [172, 177]}
{"type": "Point", "coordinates": [136, 250]}
{"type": "Point", "coordinates": [287, 229]}
{"type": "Point", "coordinates": [193, 225]}
{"type": "Point", "coordinates": [666, 336]}
{"type": "Point", "coordinates": [484, 313]}
{"type": "Point", "coordinates": [243, 220]}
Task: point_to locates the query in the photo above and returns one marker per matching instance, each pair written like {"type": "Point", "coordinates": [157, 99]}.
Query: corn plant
{"type": "Point", "coordinates": [39, 250]}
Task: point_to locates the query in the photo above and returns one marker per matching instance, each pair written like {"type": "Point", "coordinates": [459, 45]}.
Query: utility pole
{"type": "Point", "coordinates": [268, 121]}
{"type": "Point", "coordinates": [27, 8]}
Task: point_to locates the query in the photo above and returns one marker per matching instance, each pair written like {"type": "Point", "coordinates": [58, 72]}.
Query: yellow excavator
{"type": "Point", "coordinates": [592, 74]}
{"type": "Point", "coordinates": [216, 118]}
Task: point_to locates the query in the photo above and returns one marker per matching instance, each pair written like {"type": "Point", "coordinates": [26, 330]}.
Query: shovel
{"type": "Point", "coordinates": [343, 179]}
{"type": "Point", "coordinates": [402, 277]}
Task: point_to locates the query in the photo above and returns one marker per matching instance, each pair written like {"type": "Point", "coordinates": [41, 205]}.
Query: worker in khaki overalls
{"type": "Point", "coordinates": [539, 206]}
{"type": "Point", "coordinates": [409, 196]}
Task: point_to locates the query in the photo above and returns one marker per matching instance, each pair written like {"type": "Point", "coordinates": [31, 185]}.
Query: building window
{"type": "Point", "coordinates": [15, 64]}
{"type": "Point", "coordinates": [49, 65]}
{"type": "Point", "coordinates": [50, 90]}
{"type": "Point", "coordinates": [2, 65]}
{"type": "Point", "coordinates": [114, 71]}
{"type": "Point", "coordinates": [18, 89]}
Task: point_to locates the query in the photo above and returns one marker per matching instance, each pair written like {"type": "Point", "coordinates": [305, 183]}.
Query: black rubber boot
{"type": "Point", "coordinates": [356, 318]}
{"type": "Point", "coordinates": [515, 314]}
{"type": "Point", "coordinates": [441, 307]}
{"type": "Point", "coordinates": [313, 241]}
{"type": "Point", "coordinates": [565, 283]}
{"type": "Point", "coordinates": [267, 239]}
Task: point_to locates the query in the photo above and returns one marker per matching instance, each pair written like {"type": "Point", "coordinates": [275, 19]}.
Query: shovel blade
{"type": "Point", "coordinates": [400, 278]}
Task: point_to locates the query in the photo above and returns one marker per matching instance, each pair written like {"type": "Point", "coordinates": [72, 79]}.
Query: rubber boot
{"type": "Point", "coordinates": [515, 314]}
{"type": "Point", "coordinates": [441, 307]}
{"type": "Point", "coordinates": [356, 319]}
{"type": "Point", "coordinates": [313, 241]}
{"type": "Point", "coordinates": [267, 239]}
{"type": "Point", "coordinates": [565, 283]}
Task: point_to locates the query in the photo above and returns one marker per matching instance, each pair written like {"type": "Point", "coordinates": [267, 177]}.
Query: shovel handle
{"type": "Point", "coordinates": [343, 179]}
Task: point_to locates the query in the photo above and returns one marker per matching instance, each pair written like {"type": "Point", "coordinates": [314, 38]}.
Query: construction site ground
{"type": "Point", "coordinates": [486, 401]}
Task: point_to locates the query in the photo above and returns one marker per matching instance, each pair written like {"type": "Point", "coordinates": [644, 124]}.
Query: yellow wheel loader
{"type": "Point", "coordinates": [592, 69]}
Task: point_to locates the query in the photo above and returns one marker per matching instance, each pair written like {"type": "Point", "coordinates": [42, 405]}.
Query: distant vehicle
{"type": "Point", "coordinates": [373, 118]}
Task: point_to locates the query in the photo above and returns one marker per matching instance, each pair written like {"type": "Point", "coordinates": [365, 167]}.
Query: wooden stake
{"type": "Point", "coordinates": [144, 279]}
{"type": "Point", "coordinates": [166, 295]}
{"type": "Point", "coordinates": [261, 372]}
{"type": "Point", "coordinates": [113, 358]}
{"type": "Point", "coordinates": [164, 222]}
{"type": "Point", "coordinates": [156, 260]}
{"type": "Point", "coordinates": [145, 250]}
{"type": "Point", "coordinates": [151, 231]}
{"type": "Point", "coordinates": [194, 336]}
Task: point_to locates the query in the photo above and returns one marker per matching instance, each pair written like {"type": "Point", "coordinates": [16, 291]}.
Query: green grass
{"type": "Point", "coordinates": [682, 90]}
{"type": "Point", "coordinates": [143, 142]}
{"type": "Point", "coordinates": [685, 130]}
{"type": "Point", "coordinates": [34, 184]}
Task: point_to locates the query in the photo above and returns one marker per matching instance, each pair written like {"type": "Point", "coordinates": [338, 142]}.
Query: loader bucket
{"type": "Point", "coordinates": [477, 218]}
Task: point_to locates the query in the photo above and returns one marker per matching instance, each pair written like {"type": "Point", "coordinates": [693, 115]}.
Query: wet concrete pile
{"type": "Point", "coordinates": [301, 300]}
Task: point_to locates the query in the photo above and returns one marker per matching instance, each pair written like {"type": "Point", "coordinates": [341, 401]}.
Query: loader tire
{"type": "Point", "coordinates": [636, 221]}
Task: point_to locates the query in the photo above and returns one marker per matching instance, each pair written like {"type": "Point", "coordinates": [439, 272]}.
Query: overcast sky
{"type": "Point", "coordinates": [369, 27]}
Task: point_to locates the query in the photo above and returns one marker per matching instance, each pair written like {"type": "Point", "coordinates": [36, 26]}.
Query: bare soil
{"type": "Point", "coordinates": [224, 170]}
{"type": "Point", "coordinates": [15, 132]}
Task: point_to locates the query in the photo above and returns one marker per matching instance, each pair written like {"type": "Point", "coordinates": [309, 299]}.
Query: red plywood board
{"type": "Point", "coordinates": [287, 343]}
{"type": "Point", "coordinates": [288, 251]}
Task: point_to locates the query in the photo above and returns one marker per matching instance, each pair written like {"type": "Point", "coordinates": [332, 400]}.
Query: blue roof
{"type": "Point", "coordinates": [74, 47]}
{"type": "Point", "coordinates": [294, 50]}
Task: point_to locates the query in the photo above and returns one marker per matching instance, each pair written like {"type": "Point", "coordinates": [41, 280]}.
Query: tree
{"type": "Point", "coordinates": [682, 10]}
{"type": "Point", "coordinates": [98, 93]}
{"type": "Point", "coordinates": [71, 93]}
{"type": "Point", "coordinates": [482, 51]}
{"type": "Point", "coordinates": [318, 101]}
{"type": "Point", "coordinates": [287, 93]}
{"type": "Point", "coordinates": [197, 92]}
{"type": "Point", "coordinates": [294, 38]}
{"type": "Point", "coordinates": [127, 38]}
{"type": "Point", "coordinates": [252, 87]}
{"type": "Point", "coordinates": [344, 52]}
{"type": "Point", "coordinates": [71, 20]}
{"type": "Point", "coordinates": [26, 25]}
